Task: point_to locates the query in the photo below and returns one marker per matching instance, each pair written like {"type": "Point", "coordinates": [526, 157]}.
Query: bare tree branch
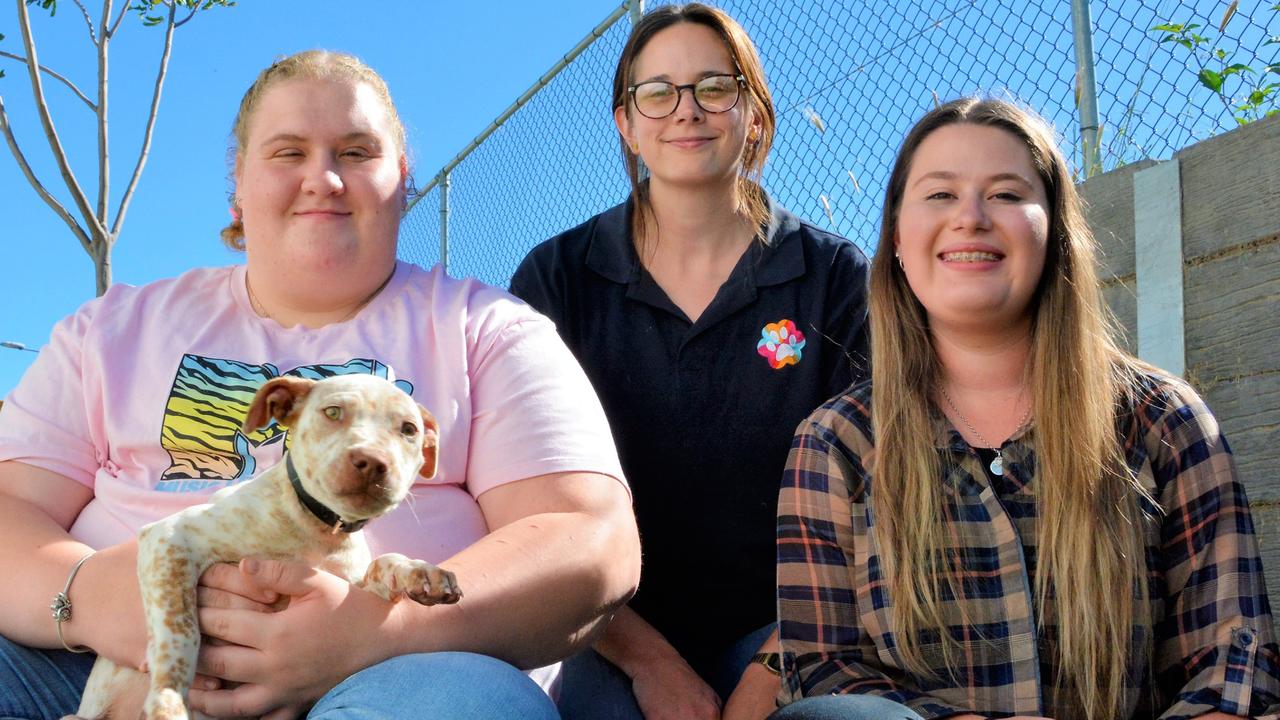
{"type": "Point", "coordinates": [104, 149]}
{"type": "Point", "coordinates": [46, 121]}
{"type": "Point", "coordinates": [195, 6]}
{"type": "Point", "coordinates": [49, 200]}
{"type": "Point", "coordinates": [93, 37]}
{"type": "Point", "coordinates": [124, 10]}
{"type": "Point", "coordinates": [57, 76]}
{"type": "Point", "coordinates": [151, 123]}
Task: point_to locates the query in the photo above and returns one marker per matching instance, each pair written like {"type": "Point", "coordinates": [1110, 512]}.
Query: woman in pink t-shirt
{"type": "Point", "coordinates": [130, 412]}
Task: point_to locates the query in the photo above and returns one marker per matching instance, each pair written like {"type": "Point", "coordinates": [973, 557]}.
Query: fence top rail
{"type": "Point", "coordinates": [561, 64]}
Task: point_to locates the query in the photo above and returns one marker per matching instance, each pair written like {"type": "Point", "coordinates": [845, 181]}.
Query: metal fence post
{"type": "Point", "coordinates": [444, 220]}
{"type": "Point", "coordinates": [636, 8]}
{"type": "Point", "coordinates": [1086, 88]}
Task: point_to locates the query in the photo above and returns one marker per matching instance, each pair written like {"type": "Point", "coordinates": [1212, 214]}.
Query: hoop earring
{"type": "Point", "coordinates": [235, 211]}
{"type": "Point", "coordinates": [900, 265]}
{"type": "Point", "coordinates": [410, 191]}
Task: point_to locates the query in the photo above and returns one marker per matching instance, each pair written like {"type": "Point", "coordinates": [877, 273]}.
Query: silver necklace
{"type": "Point", "coordinates": [997, 465]}
{"type": "Point", "coordinates": [258, 307]}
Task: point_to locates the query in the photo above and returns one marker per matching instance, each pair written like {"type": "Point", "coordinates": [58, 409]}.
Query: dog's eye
{"type": "Point", "coordinates": [408, 429]}
{"type": "Point", "coordinates": [333, 412]}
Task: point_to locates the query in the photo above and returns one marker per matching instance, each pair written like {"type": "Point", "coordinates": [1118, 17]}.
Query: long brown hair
{"type": "Point", "coordinates": [751, 201]}
{"type": "Point", "coordinates": [1090, 531]}
{"type": "Point", "coordinates": [310, 65]}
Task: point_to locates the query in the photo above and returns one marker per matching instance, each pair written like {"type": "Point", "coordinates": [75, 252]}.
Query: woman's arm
{"type": "Point", "coordinates": [37, 506]}
{"type": "Point", "coordinates": [562, 556]}
{"type": "Point", "coordinates": [1215, 646]}
{"type": "Point", "coordinates": [756, 695]}
{"type": "Point", "coordinates": [665, 686]}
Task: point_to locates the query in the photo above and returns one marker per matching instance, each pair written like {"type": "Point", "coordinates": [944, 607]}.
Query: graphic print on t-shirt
{"type": "Point", "coordinates": [207, 405]}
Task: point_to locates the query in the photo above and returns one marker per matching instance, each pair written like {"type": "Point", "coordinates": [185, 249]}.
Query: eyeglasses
{"type": "Point", "coordinates": [714, 94]}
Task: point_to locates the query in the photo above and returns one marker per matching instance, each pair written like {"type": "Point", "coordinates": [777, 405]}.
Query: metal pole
{"type": "Point", "coordinates": [443, 180]}
{"type": "Point", "coordinates": [636, 8]}
{"type": "Point", "coordinates": [1086, 87]}
{"type": "Point", "coordinates": [17, 346]}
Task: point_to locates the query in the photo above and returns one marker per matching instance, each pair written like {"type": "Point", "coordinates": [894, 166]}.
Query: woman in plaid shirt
{"type": "Point", "coordinates": [1021, 520]}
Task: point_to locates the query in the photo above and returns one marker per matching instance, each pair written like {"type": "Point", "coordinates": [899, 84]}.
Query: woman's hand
{"type": "Point", "coordinates": [668, 689]}
{"type": "Point", "coordinates": [224, 586]}
{"type": "Point", "coordinates": [284, 660]}
{"type": "Point", "coordinates": [755, 697]}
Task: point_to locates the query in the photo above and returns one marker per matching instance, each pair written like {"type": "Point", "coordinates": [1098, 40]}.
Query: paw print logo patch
{"type": "Point", "coordinates": [781, 344]}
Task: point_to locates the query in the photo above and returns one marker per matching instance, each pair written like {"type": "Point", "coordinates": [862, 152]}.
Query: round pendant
{"type": "Point", "coordinates": [997, 465]}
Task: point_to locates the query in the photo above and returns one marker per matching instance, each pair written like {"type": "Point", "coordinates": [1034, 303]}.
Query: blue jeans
{"type": "Point", "coordinates": [845, 707]}
{"type": "Point", "coordinates": [46, 684]}
{"type": "Point", "coordinates": [40, 684]}
{"type": "Point", "coordinates": [595, 689]}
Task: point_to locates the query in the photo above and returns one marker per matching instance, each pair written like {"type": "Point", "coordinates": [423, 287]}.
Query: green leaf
{"type": "Point", "coordinates": [1167, 27]}
{"type": "Point", "coordinates": [1211, 80]}
{"type": "Point", "coordinates": [1236, 68]}
{"type": "Point", "coordinates": [1274, 40]}
{"type": "Point", "coordinates": [1186, 43]}
{"type": "Point", "coordinates": [50, 5]}
{"type": "Point", "coordinates": [1222, 54]}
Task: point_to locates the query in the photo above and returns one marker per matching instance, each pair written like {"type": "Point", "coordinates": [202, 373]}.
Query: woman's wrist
{"type": "Point", "coordinates": [108, 606]}
{"type": "Point", "coordinates": [633, 645]}
{"type": "Point", "coordinates": [62, 608]}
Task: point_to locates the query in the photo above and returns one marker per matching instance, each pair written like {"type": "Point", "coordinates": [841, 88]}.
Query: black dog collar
{"type": "Point", "coordinates": [317, 508]}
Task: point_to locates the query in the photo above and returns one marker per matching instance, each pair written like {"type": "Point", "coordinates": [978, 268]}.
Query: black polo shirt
{"type": "Point", "coordinates": [703, 413]}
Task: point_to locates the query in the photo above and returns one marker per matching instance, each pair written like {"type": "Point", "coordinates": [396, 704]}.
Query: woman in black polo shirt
{"type": "Point", "coordinates": [710, 321]}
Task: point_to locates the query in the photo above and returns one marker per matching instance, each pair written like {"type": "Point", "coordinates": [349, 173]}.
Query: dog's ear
{"type": "Point", "coordinates": [430, 443]}
{"type": "Point", "coordinates": [279, 399]}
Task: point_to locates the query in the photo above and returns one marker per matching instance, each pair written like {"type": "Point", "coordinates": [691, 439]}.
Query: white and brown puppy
{"type": "Point", "coordinates": [356, 443]}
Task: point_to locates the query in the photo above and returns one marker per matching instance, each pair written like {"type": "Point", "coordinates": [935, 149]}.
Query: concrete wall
{"type": "Point", "coordinates": [1230, 248]}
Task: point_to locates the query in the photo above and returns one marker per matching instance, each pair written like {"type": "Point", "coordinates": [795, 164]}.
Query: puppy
{"type": "Point", "coordinates": [356, 444]}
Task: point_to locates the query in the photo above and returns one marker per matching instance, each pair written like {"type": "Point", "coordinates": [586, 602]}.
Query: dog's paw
{"type": "Point", "coordinates": [394, 576]}
{"type": "Point", "coordinates": [165, 704]}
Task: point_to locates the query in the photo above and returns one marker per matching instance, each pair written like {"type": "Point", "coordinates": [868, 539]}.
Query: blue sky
{"type": "Point", "coordinates": [452, 67]}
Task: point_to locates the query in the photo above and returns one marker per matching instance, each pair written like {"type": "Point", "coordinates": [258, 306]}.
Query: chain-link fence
{"type": "Point", "coordinates": [848, 79]}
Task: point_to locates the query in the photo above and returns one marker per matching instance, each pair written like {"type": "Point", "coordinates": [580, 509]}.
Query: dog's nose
{"type": "Point", "coordinates": [371, 466]}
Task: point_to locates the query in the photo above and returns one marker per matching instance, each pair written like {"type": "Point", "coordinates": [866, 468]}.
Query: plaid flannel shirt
{"type": "Point", "coordinates": [1214, 647]}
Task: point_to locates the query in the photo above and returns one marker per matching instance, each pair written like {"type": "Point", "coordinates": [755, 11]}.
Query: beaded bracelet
{"type": "Point", "coordinates": [61, 605]}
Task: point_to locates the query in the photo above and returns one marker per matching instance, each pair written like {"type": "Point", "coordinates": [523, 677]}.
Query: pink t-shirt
{"type": "Point", "coordinates": [140, 395]}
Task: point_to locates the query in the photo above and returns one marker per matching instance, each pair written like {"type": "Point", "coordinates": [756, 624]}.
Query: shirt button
{"type": "Point", "coordinates": [1246, 638]}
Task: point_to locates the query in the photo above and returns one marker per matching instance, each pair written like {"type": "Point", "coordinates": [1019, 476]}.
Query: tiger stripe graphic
{"type": "Point", "coordinates": [206, 406]}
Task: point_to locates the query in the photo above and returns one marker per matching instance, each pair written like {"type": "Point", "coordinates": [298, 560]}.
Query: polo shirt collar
{"type": "Point", "coordinates": [612, 254]}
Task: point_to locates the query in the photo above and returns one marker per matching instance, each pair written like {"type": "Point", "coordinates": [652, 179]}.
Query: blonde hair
{"type": "Point", "coordinates": [306, 65]}
{"type": "Point", "coordinates": [751, 201]}
{"type": "Point", "coordinates": [1089, 540]}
